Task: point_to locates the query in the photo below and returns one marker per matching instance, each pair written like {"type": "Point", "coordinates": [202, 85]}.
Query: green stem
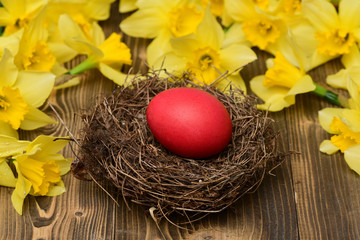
{"type": "Point", "coordinates": [83, 66]}
{"type": "Point", "coordinates": [327, 94]}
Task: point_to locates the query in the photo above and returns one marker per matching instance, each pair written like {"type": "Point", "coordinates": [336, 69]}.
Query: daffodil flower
{"type": "Point", "coordinates": [280, 84]}
{"type": "Point", "coordinates": [207, 54]}
{"type": "Point", "coordinates": [21, 93]}
{"type": "Point", "coordinates": [351, 62]}
{"type": "Point", "coordinates": [276, 26]}
{"type": "Point", "coordinates": [106, 54]}
{"type": "Point", "coordinates": [336, 32]}
{"type": "Point", "coordinates": [162, 20]}
{"type": "Point", "coordinates": [261, 27]}
{"type": "Point", "coordinates": [35, 53]}
{"type": "Point", "coordinates": [344, 124]}
{"type": "Point", "coordinates": [16, 14]}
{"type": "Point", "coordinates": [38, 165]}
{"type": "Point", "coordinates": [83, 12]}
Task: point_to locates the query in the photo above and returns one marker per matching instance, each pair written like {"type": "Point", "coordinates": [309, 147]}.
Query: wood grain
{"type": "Point", "coordinates": [310, 196]}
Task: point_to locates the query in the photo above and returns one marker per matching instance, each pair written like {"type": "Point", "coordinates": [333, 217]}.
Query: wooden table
{"type": "Point", "coordinates": [310, 196]}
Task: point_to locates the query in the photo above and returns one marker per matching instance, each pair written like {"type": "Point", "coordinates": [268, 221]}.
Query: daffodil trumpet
{"type": "Point", "coordinates": [329, 95]}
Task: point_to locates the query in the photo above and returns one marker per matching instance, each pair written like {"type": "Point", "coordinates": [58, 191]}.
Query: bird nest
{"type": "Point", "coordinates": [117, 147]}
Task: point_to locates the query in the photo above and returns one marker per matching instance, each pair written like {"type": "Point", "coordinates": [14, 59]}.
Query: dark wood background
{"type": "Point", "coordinates": [310, 196]}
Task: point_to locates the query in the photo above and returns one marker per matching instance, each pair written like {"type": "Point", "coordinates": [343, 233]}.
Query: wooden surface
{"type": "Point", "coordinates": [310, 196]}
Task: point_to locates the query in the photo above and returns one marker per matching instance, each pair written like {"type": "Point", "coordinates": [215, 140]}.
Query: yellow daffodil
{"type": "Point", "coordinates": [38, 165]}
{"type": "Point", "coordinates": [276, 26]}
{"type": "Point", "coordinates": [106, 54]}
{"type": "Point", "coordinates": [206, 55]}
{"type": "Point", "coordinates": [21, 93]}
{"type": "Point", "coordinates": [336, 32]}
{"type": "Point", "coordinates": [261, 28]}
{"type": "Point", "coordinates": [351, 62]}
{"type": "Point", "coordinates": [280, 84]}
{"type": "Point", "coordinates": [127, 6]}
{"type": "Point", "coordinates": [344, 124]}
{"type": "Point", "coordinates": [33, 53]}
{"type": "Point", "coordinates": [162, 19]}
{"type": "Point", "coordinates": [16, 14]}
{"type": "Point", "coordinates": [83, 12]}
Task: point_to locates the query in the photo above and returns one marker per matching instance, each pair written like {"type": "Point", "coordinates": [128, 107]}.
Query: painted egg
{"type": "Point", "coordinates": [189, 122]}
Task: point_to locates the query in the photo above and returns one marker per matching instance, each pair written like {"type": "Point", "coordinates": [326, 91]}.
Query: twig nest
{"type": "Point", "coordinates": [117, 146]}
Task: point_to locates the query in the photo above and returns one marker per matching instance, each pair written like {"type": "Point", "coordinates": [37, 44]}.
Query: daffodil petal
{"type": "Point", "coordinates": [185, 46]}
{"type": "Point", "coordinates": [9, 71]}
{"type": "Point", "coordinates": [57, 189]}
{"type": "Point", "coordinates": [7, 130]}
{"type": "Point", "coordinates": [35, 119]}
{"type": "Point", "coordinates": [16, 7]}
{"type": "Point", "coordinates": [34, 32]}
{"type": "Point", "coordinates": [10, 146]}
{"type": "Point", "coordinates": [64, 165]}
{"type": "Point", "coordinates": [322, 14]}
{"type": "Point", "coordinates": [236, 56]}
{"type": "Point", "coordinates": [5, 17]}
{"type": "Point", "coordinates": [357, 33]}
{"type": "Point", "coordinates": [234, 80]}
{"type": "Point", "coordinates": [235, 35]}
{"type": "Point", "coordinates": [172, 63]}
{"type": "Point", "coordinates": [49, 145]}
{"type": "Point", "coordinates": [352, 119]}
{"type": "Point", "coordinates": [127, 6]}
{"type": "Point", "coordinates": [70, 31]}
{"type": "Point", "coordinates": [351, 59]}
{"type": "Point", "coordinates": [97, 34]}
{"type": "Point", "coordinates": [210, 32]}
{"type": "Point", "coordinates": [58, 69]}
{"type": "Point", "coordinates": [11, 42]}
{"type": "Point", "coordinates": [116, 76]}
{"type": "Point", "coordinates": [158, 47]}
{"type": "Point", "coordinates": [327, 147]}
{"type": "Point", "coordinates": [273, 96]}
{"type": "Point", "coordinates": [349, 13]}
{"type": "Point", "coordinates": [353, 88]}
{"type": "Point", "coordinates": [35, 86]}
{"type": "Point", "coordinates": [304, 85]}
{"type": "Point", "coordinates": [62, 52]}
{"type": "Point", "coordinates": [145, 23]}
{"type": "Point", "coordinates": [7, 177]}
{"type": "Point", "coordinates": [352, 157]}
{"type": "Point", "coordinates": [89, 48]}
{"type": "Point", "coordinates": [69, 83]}
{"type": "Point", "coordinates": [339, 79]}
{"type": "Point", "coordinates": [99, 10]}
{"type": "Point", "coordinates": [240, 10]}
{"type": "Point", "coordinates": [326, 116]}
{"type": "Point", "coordinates": [22, 189]}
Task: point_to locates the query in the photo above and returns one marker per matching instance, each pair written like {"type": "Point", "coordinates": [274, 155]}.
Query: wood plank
{"type": "Point", "coordinates": [327, 191]}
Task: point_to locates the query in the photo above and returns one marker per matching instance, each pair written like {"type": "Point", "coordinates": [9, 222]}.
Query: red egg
{"type": "Point", "coordinates": [189, 122]}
